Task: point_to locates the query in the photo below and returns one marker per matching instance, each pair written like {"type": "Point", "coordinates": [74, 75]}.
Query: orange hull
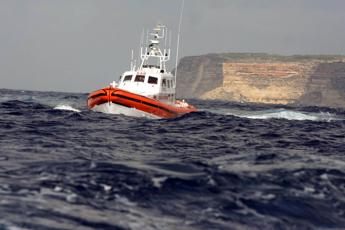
{"type": "Point", "coordinates": [131, 100]}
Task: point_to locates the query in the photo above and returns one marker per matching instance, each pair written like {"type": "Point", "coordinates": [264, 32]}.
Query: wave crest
{"type": "Point", "coordinates": [66, 107]}
{"type": "Point", "coordinates": [286, 114]}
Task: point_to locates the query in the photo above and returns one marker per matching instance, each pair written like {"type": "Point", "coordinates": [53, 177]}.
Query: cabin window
{"type": "Point", "coordinates": [168, 83]}
{"type": "Point", "coordinates": [139, 78]}
{"type": "Point", "coordinates": [164, 83]}
{"type": "Point", "coordinates": [128, 78]}
{"type": "Point", "coordinates": [152, 80]}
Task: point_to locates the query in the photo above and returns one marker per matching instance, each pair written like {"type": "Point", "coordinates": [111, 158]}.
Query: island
{"type": "Point", "coordinates": [307, 80]}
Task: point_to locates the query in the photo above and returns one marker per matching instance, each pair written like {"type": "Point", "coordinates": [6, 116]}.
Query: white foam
{"type": "Point", "coordinates": [278, 114]}
{"type": "Point", "coordinates": [283, 114]}
{"type": "Point", "coordinates": [67, 107]}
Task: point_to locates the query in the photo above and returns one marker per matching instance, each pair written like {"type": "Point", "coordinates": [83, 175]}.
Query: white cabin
{"type": "Point", "coordinates": [151, 80]}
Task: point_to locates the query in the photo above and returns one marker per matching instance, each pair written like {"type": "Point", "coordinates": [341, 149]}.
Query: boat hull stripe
{"type": "Point", "coordinates": [127, 99]}
{"type": "Point", "coordinates": [144, 102]}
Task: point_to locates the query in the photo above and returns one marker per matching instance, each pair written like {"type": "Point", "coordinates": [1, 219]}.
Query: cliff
{"type": "Point", "coordinates": [199, 74]}
{"type": "Point", "coordinates": [263, 78]}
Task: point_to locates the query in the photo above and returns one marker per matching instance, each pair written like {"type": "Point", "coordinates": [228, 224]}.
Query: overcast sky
{"type": "Point", "coordinates": [82, 45]}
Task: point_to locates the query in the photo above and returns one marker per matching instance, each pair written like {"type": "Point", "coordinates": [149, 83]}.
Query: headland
{"type": "Point", "coordinates": [307, 80]}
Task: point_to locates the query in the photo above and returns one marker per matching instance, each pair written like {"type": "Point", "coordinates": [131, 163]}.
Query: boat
{"type": "Point", "coordinates": [148, 90]}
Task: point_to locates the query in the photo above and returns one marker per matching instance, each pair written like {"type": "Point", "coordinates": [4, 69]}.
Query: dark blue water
{"type": "Point", "coordinates": [229, 166]}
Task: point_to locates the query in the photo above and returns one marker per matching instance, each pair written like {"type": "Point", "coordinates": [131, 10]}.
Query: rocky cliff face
{"type": "Point", "coordinates": [199, 74]}
{"type": "Point", "coordinates": [325, 86]}
{"type": "Point", "coordinates": [261, 78]}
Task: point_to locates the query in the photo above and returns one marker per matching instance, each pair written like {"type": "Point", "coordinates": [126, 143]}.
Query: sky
{"type": "Point", "coordinates": [83, 45]}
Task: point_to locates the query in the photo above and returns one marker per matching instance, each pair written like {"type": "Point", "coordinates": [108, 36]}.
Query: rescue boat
{"type": "Point", "coordinates": [148, 90]}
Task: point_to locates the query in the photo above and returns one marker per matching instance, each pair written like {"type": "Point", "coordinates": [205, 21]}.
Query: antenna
{"type": "Point", "coordinates": [142, 38]}
{"type": "Point", "coordinates": [165, 38]}
{"type": "Point", "coordinates": [147, 38]}
{"type": "Point", "coordinates": [132, 67]}
{"type": "Point", "coordinates": [170, 39]}
{"type": "Point", "coordinates": [178, 36]}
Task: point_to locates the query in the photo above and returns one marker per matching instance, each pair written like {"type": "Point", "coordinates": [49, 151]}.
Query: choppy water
{"type": "Point", "coordinates": [229, 166]}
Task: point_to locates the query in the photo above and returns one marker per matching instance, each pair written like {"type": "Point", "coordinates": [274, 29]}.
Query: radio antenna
{"type": "Point", "coordinates": [178, 36]}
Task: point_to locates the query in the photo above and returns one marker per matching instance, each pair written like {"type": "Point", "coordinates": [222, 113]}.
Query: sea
{"type": "Point", "coordinates": [227, 166]}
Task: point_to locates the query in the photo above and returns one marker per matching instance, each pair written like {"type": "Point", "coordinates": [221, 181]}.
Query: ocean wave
{"type": "Point", "coordinates": [232, 166]}
{"type": "Point", "coordinates": [290, 115]}
{"type": "Point", "coordinates": [279, 114]}
{"type": "Point", "coordinates": [66, 107]}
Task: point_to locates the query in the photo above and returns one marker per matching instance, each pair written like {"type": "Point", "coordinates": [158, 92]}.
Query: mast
{"type": "Point", "coordinates": [178, 37]}
{"type": "Point", "coordinates": [153, 50]}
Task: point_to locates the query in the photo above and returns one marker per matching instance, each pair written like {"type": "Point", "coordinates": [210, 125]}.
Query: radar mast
{"type": "Point", "coordinates": [153, 50]}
